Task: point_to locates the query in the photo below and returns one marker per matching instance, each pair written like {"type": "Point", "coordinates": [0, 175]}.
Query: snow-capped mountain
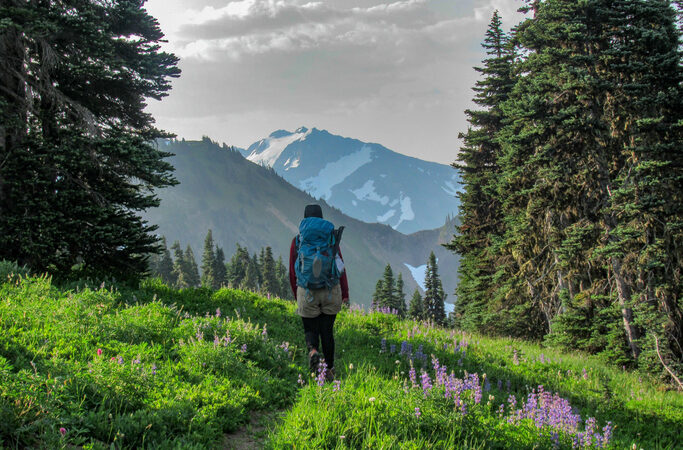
{"type": "Point", "coordinates": [365, 181]}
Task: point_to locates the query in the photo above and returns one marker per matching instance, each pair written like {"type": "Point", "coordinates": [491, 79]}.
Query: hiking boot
{"type": "Point", "coordinates": [330, 375]}
{"type": "Point", "coordinates": [313, 362]}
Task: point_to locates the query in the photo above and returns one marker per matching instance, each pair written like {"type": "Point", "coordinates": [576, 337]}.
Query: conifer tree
{"type": "Point", "coordinates": [434, 294]}
{"type": "Point", "coordinates": [237, 268]}
{"type": "Point", "coordinates": [283, 280]}
{"type": "Point", "coordinates": [416, 310]}
{"type": "Point", "coordinates": [179, 266]}
{"type": "Point", "coordinates": [378, 295]}
{"type": "Point", "coordinates": [250, 281]}
{"type": "Point", "coordinates": [270, 283]}
{"type": "Point", "coordinates": [191, 271]}
{"type": "Point", "coordinates": [400, 296]}
{"type": "Point", "coordinates": [388, 296]}
{"type": "Point", "coordinates": [219, 270]}
{"type": "Point", "coordinates": [481, 222]}
{"type": "Point", "coordinates": [77, 147]}
{"type": "Point", "coordinates": [165, 265]}
{"type": "Point", "coordinates": [208, 262]}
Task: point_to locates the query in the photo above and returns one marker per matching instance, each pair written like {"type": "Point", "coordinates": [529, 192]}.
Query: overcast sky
{"type": "Point", "coordinates": [398, 73]}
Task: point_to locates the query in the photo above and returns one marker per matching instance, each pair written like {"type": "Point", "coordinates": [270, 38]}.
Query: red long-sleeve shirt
{"type": "Point", "coordinates": [343, 280]}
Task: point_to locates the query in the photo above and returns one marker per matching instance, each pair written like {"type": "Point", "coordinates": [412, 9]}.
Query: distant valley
{"type": "Point", "coordinates": [251, 205]}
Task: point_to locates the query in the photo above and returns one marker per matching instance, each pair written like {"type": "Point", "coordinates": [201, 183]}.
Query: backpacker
{"type": "Point", "coordinates": [317, 246]}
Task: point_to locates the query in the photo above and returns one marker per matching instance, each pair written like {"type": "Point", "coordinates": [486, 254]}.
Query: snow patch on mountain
{"type": "Point", "coordinates": [389, 214]}
{"type": "Point", "coordinates": [406, 211]}
{"type": "Point", "coordinates": [292, 164]}
{"type": "Point", "coordinates": [418, 274]}
{"type": "Point", "coordinates": [367, 192]}
{"type": "Point", "coordinates": [320, 186]}
{"type": "Point", "coordinates": [274, 146]}
{"type": "Point", "coordinates": [449, 188]}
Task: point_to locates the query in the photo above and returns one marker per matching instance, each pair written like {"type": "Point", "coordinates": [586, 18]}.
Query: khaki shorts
{"type": "Point", "coordinates": [324, 300]}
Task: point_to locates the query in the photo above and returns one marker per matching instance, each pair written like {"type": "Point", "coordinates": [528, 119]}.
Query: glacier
{"type": "Point", "coordinates": [367, 192]}
{"type": "Point", "coordinates": [418, 274]}
{"type": "Point", "coordinates": [320, 186]}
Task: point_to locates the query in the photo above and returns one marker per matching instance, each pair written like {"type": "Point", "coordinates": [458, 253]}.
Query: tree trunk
{"type": "Point", "coordinates": [624, 295]}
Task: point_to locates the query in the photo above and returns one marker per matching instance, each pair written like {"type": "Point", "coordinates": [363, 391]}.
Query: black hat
{"type": "Point", "coordinates": [313, 211]}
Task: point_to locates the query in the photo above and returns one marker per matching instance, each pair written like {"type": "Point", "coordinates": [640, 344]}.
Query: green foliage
{"type": "Point", "coordinates": [573, 176]}
{"type": "Point", "coordinates": [433, 303]}
{"type": "Point", "coordinates": [181, 368]}
{"type": "Point", "coordinates": [416, 309]}
{"type": "Point", "coordinates": [75, 141]}
{"type": "Point", "coordinates": [10, 270]}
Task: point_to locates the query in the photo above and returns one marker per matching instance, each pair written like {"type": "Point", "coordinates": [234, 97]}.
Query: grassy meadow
{"type": "Point", "coordinates": [111, 367]}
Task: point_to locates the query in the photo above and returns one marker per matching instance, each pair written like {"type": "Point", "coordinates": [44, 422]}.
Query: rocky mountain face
{"type": "Point", "coordinates": [366, 181]}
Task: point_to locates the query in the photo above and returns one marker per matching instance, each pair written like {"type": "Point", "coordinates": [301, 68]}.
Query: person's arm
{"type": "Point", "coordinates": [292, 271]}
{"type": "Point", "coordinates": [344, 283]}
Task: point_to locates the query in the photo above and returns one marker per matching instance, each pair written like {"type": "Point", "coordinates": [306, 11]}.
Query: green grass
{"type": "Point", "coordinates": [160, 368]}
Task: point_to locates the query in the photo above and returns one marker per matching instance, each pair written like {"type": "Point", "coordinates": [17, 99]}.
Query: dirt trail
{"type": "Point", "coordinates": [253, 434]}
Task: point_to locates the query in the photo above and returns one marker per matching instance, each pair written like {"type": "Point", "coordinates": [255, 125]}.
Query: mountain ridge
{"type": "Point", "coordinates": [365, 180]}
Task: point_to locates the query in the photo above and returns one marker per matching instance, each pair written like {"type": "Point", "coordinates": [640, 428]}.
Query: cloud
{"type": "Point", "coordinates": [395, 72]}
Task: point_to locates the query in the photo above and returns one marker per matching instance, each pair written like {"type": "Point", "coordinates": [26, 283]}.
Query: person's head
{"type": "Point", "coordinates": [313, 211]}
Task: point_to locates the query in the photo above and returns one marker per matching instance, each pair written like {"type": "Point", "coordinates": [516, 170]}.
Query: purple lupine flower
{"type": "Point", "coordinates": [426, 382]}
{"type": "Point", "coordinates": [392, 348]}
{"type": "Point", "coordinates": [199, 335]}
{"type": "Point", "coordinates": [322, 373]}
{"type": "Point", "coordinates": [244, 348]}
{"type": "Point", "coordinates": [154, 369]}
{"type": "Point", "coordinates": [412, 375]}
{"type": "Point", "coordinates": [120, 360]}
{"type": "Point", "coordinates": [218, 312]}
{"type": "Point", "coordinates": [300, 380]}
{"type": "Point", "coordinates": [500, 385]}
{"type": "Point", "coordinates": [383, 345]}
{"type": "Point", "coordinates": [584, 374]}
{"type": "Point", "coordinates": [417, 412]}
{"type": "Point", "coordinates": [216, 341]}
{"type": "Point", "coordinates": [515, 358]}
{"type": "Point", "coordinates": [501, 410]}
{"type": "Point", "coordinates": [337, 385]}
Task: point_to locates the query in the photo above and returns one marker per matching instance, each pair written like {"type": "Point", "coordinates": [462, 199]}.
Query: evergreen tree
{"type": "Point", "coordinates": [164, 267]}
{"type": "Point", "coordinates": [388, 296]}
{"type": "Point", "coordinates": [270, 283]}
{"type": "Point", "coordinates": [237, 268]}
{"type": "Point", "coordinates": [283, 280]}
{"type": "Point", "coordinates": [481, 222]}
{"type": "Point", "coordinates": [434, 294]}
{"type": "Point", "coordinates": [378, 295]}
{"type": "Point", "coordinates": [220, 273]}
{"type": "Point", "coordinates": [191, 271]}
{"type": "Point", "coordinates": [416, 310]}
{"type": "Point", "coordinates": [250, 281]}
{"type": "Point", "coordinates": [208, 262]}
{"type": "Point", "coordinates": [400, 296]}
{"type": "Point", "coordinates": [179, 267]}
{"type": "Point", "coordinates": [76, 144]}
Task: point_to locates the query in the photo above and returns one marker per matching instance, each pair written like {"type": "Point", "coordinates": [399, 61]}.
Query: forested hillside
{"type": "Point", "coordinates": [572, 225]}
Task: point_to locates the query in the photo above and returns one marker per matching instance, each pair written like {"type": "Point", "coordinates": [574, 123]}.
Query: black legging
{"type": "Point", "coordinates": [318, 329]}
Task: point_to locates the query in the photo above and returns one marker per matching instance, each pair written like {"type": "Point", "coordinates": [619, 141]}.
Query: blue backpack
{"type": "Point", "coordinates": [317, 246]}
